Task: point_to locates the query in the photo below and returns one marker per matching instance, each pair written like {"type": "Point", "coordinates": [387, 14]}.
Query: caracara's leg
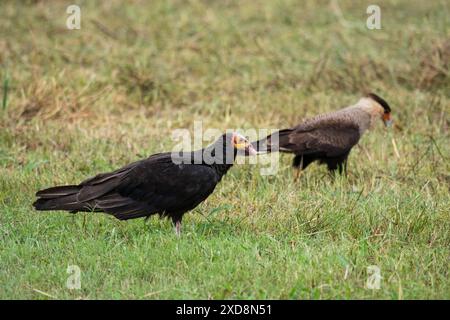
{"type": "Point", "coordinates": [300, 163]}
{"type": "Point", "coordinates": [345, 167]}
{"type": "Point", "coordinates": [333, 165]}
{"type": "Point", "coordinates": [338, 163]}
{"type": "Point", "coordinates": [298, 172]}
{"type": "Point", "coordinates": [341, 167]}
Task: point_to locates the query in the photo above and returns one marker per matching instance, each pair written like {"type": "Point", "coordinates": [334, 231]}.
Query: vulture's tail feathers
{"type": "Point", "coordinates": [59, 198]}
{"type": "Point", "coordinates": [55, 192]}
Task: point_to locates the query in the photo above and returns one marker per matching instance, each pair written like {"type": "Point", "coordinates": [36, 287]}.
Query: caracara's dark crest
{"type": "Point", "coordinates": [381, 101]}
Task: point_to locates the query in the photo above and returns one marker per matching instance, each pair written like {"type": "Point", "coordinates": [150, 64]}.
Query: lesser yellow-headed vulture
{"type": "Point", "coordinates": [169, 184]}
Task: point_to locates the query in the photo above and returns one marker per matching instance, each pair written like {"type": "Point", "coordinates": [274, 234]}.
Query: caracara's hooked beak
{"type": "Point", "coordinates": [242, 145]}
{"type": "Point", "coordinates": [387, 119]}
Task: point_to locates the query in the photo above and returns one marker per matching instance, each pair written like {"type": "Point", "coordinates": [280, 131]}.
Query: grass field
{"type": "Point", "coordinates": [78, 102]}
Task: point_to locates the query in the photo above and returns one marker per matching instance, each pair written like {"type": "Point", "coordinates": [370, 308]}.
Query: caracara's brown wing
{"type": "Point", "coordinates": [327, 140]}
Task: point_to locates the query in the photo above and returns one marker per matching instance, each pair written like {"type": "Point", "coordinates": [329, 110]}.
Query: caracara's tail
{"type": "Point", "coordinates": [278, 141]}
{"type": "Point", "coordinates": [59, 198]}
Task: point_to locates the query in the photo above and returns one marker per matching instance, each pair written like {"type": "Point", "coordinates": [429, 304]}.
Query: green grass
{"type": "Point", "coordinates": [91, 100]}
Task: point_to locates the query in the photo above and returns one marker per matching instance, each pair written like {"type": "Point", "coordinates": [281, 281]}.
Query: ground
{"type": "Point", "coordinates": [78, 102]}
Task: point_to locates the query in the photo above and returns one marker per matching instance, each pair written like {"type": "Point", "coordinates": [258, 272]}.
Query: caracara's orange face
{"type": "Point", "coordinates": [382, 108]}
{"type": "Point", "coordinates": [387, 119]}
{"type": "Point", "coordinates": [242, 144]}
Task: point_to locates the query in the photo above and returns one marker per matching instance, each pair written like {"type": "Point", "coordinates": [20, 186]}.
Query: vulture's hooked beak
{"type": "Point", "coordinates": [243, 145]}
{"type": "Point", "coordinates": [250, 150]}
{"type": "Point", "coordinates": [387, 119]}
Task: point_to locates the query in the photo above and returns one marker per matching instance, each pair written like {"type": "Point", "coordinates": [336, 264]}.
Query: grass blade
{"type": "Point", "coordinates": [5, 93]}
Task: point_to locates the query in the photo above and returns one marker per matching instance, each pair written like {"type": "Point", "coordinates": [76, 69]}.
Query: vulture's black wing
{"type": "Point", "coordinates": [153, 185]}
{"type": "Point", "coordinates": [159, 185]}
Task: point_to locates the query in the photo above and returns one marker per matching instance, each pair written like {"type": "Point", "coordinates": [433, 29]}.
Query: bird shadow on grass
{"type": "Point", "coordinates": [212, 224]}
{"type": "Point", "coordinates": [203, 228]}
{"type": "Point", "coordinates": [199, 223]}
{"type": "Point", "coordinates": [217, 227]}
{"type": "Point", "coordinates": [109, 229]}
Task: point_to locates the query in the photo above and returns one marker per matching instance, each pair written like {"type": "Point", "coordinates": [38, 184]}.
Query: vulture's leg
{"type": "Point", "coordinates": [177, 222]}
{"type": "Point", "coordinates": [178, 228]}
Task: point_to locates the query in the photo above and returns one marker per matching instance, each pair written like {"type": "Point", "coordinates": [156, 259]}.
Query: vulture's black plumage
{"type": "Point", "coordinates": [166, 183]}
{"type": "Point", "coordinates": [328, 138]}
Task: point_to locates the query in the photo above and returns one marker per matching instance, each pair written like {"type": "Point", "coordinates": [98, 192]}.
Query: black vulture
{"type": "Point", "coordinates": [169, 184]}
{"type": "Point", "coordinates": [328, 138]}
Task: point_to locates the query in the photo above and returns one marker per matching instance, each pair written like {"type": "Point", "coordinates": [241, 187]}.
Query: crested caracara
{"type": "Point", "coordinates": [328, 138]}
{"type": "Point", "coordinates": [169, 184]}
